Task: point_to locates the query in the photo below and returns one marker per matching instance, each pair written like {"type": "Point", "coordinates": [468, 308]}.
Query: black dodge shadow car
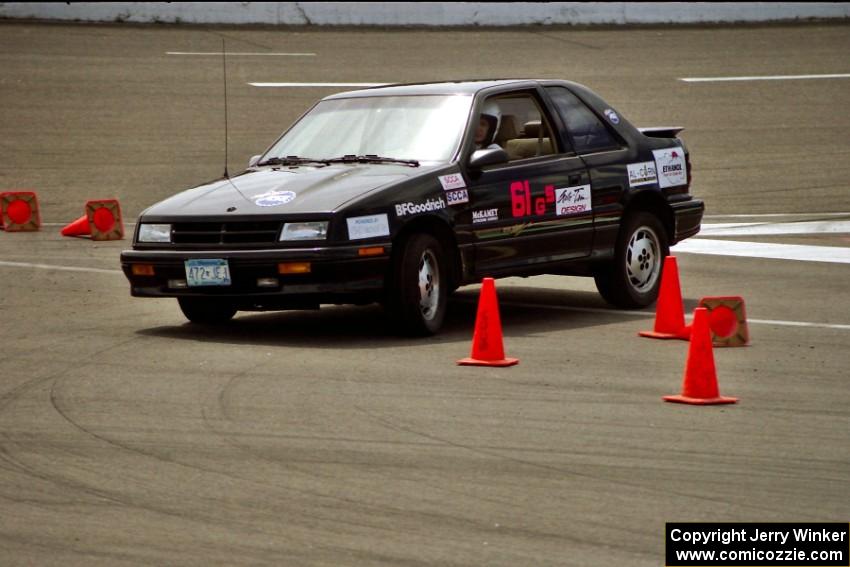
{"type": "Point", "coordinates": [401, 194]}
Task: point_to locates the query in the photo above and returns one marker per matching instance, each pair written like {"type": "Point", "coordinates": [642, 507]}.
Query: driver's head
{"type": "Point", "coordinates": [488, 124]}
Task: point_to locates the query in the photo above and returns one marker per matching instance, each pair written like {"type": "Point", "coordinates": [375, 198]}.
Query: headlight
{"type": "Point", "coordinates": [304, 231]}
{"type": "Point", "coordinates": [155, 233]}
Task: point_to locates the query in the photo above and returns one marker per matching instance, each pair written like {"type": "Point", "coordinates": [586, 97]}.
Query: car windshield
{"type": "Point", "coordinates": [426, 128]}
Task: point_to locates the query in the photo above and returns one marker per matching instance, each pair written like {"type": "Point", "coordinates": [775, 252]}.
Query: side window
{"type": "Point", "coordinates": [587, 132]}
{"type": "Point", "coordinates": [516, 124]}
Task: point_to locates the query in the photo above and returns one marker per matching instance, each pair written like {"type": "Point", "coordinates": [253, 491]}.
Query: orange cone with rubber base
{"type": "Point", "coordinates": [102, 221]}
{"type": "Point", "coordinates": [699, 386]}
{"type": "Point", "coordinates": [19, 211]}
{"type": "Point", "coordinates": [487, 346]}
{"type": "Point", "coordinates": [727, 321]}
{"type": "Point", "coordinates": [669, 310]}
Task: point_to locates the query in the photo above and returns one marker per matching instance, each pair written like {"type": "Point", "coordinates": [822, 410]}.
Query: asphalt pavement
{"type": "Point", "coordinates": [128, 436]}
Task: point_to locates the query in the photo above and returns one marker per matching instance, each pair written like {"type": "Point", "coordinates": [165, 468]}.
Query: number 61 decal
{"type": "Point", "coordinates": [521, 200]}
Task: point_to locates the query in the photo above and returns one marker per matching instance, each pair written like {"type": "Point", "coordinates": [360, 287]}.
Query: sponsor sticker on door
{"type": "Point", "coordinates": [572, 200]}
{"type": "Point", "coordinates": [485, 215]}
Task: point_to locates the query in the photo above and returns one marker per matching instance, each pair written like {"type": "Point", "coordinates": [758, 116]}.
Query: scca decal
{"type": "Point", "coordinates": [457, 197]}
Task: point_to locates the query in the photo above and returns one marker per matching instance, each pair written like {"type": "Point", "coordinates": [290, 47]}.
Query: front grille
{"type": "Point", "coordinates": [249, 233]}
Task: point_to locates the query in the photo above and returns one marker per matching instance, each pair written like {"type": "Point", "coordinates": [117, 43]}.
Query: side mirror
{"type": "Point", "coordinates": [254, 160]}
{"type": "Point", "coordinates": [483, 158]}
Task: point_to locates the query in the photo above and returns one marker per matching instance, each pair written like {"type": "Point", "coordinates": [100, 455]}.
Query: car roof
{"type": "Point", "coordinates": [467, 87]}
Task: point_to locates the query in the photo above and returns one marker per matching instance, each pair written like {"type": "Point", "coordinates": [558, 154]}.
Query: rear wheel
{"type": "Point", "coordinates": [633, 278]}
{"type": "Point", "coordinates": [206, 310]}
{"type": "Point", "coordinates": [416, 294]}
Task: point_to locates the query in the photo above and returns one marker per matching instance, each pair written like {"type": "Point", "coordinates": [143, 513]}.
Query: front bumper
{"type": "Point", "coordinates": [337, 274]}
{"type": "Point", "coordinates": [688, 218]}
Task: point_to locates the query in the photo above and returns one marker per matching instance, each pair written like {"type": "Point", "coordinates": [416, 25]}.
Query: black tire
{"type": "Point", "coordinates": [206, 310]}
{"type": "Point", "coordinates": [417, 290]}
{"type": "Point", "coordinates": [633, 278]}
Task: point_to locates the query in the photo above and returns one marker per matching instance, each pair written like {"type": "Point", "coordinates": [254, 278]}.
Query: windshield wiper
{"type": "Point", "coordinates": [370, 158]}
{"type": "Point", "coordinates": [292, 160]}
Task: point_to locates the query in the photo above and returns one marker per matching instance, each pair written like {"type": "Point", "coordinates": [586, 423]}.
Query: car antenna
{"type": "Point", "coordinates": [224, 76]}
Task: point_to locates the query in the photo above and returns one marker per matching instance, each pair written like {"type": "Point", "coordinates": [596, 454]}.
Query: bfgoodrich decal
{"type": "Point", "coordinates": [671, 167]}
{"type": "Point", "coordinates": [368, 227]}
{"type": "Point", "coordinates": [403, 209]}
{"type": "Point", "coordinates": [642, 173]}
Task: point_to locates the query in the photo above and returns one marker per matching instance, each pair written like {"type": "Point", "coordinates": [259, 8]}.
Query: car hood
{"type": "Point", "coordinates": [284, 191]}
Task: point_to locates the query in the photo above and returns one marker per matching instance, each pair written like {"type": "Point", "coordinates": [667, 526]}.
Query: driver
{"type": "Point", "coordinates": [488, 125]}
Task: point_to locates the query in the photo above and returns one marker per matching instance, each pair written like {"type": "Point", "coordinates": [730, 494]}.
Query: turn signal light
{"type": "Point", "coordinates": [143, 270]}
{"type": "Point", "coordinates": [294, 268]}
{"type": "Point", "coordinates": [373, 251]}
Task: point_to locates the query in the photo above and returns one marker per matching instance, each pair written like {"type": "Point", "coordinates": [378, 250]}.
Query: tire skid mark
{"type": "Point", "coordinates": [365, 507]}
{"type": "Point", "coordinates": [56, 403]}
{"type": "Point", "coordinates": [386, 422]}
{"type": "Point", "coordinates": [552, 468]}
{"type": "Point", "coordinates": [88, 553]}
{"type": "Point", "coordinates": [109, 496]}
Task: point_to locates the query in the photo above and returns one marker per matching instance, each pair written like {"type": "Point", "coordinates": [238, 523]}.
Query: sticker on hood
{"type": "Point", "coordinates": [274, 198]}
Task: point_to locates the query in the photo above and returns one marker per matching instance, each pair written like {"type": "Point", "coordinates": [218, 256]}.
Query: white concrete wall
{"type": "Point", "coordinates": [427, 13]}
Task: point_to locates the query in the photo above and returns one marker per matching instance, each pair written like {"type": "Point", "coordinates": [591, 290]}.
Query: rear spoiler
{"type": "Point", "coordinates": [662, 132]}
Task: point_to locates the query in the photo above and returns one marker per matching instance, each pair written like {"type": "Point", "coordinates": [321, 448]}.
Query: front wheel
{"type": "Point", "coordinates": [416, 293]}
{"type": "Point", "coordinates": [633, 278]}
{"type": "Point", "coordinates": [206, 310]}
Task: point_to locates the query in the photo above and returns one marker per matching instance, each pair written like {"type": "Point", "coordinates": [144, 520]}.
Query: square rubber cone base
{"type": "Point", "coordinates": [684, 335]}
{"type": "Point", "coordinates": [679, 399]}
{"type": "Point", "coordinates": [476, 362]}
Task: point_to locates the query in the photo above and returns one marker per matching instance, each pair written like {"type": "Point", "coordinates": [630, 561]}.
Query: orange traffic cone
{"type": "Point", "coordinates": [487, 347]}
{"type": "Point", "coordinates": [102, 221]}
{"type": "Point", "coordinates": [669, 311]}
{"type": "Point", "coordinates": [79, 227]}
{"type": "Point", "coordinates": [699, 386]}
{"type": "Point", "coordinates": [19, 211]}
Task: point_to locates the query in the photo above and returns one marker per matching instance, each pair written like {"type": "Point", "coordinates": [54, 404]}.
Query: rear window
{"type": "Point", "coordinates": [587, 132]}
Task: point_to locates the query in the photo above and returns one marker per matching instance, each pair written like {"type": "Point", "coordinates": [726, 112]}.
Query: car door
{"type": "Point", "coordinates": [535, 209]}
{"type": "Point", "coordinates": [604, 153]}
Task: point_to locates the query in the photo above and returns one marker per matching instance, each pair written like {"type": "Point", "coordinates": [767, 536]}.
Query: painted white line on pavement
{"type": "Point", "coordinates": [765, 78]}
{"type": "Point", "coordinates": [831, 254]}
{"type": "Point", "coordinates": [58, 268]}
{"type": "Point", "coordinates": [774, 215]}
{"type": "Point", "coordinates": [318, 84]}
{"type": "Point", "coordinates": [649, 315]}
{"type": "Point", "coordinates": [67, 223]}
{"type": "Point", "coordinates": [767, 229]}
{"type": "Point", "coordinates": [229, 53]}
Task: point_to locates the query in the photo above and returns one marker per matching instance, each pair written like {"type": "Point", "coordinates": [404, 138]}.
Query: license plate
{"type": "Point", "coordinates": [207, 272]}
